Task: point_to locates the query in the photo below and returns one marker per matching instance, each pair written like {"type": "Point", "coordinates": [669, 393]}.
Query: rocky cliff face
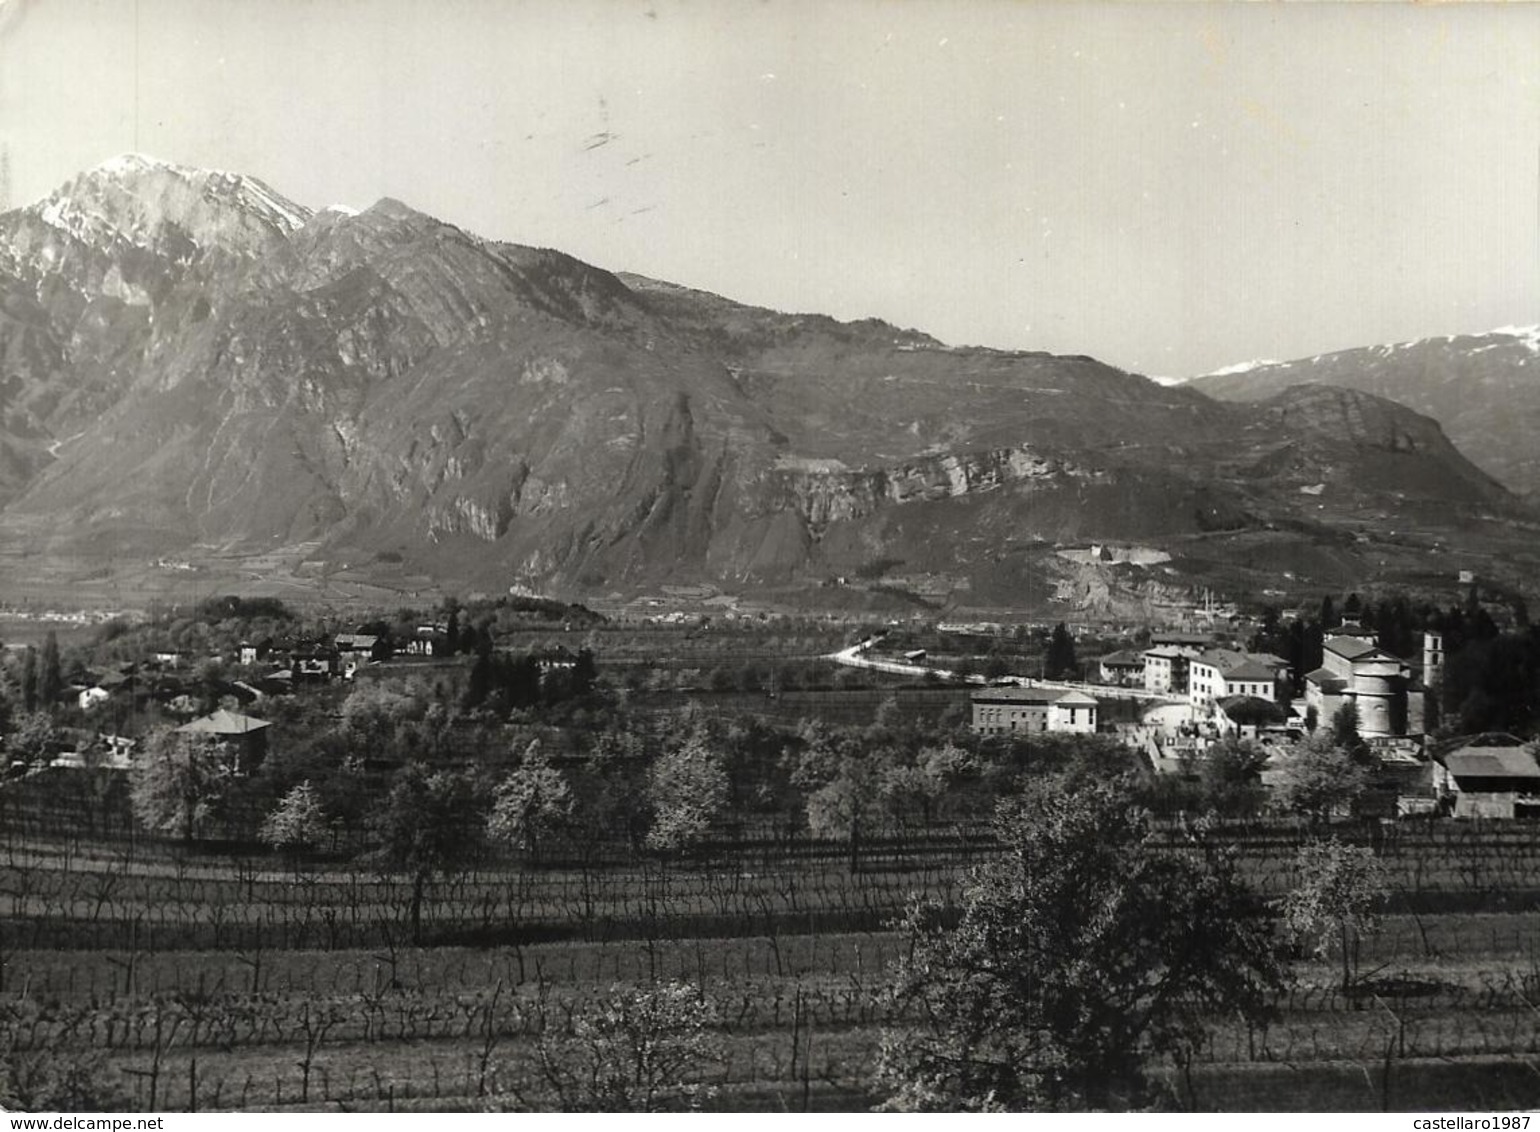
{"type": "Point", "coordinates": [821, 495]}
{"type": "Point", "coordinates": [191, 359]}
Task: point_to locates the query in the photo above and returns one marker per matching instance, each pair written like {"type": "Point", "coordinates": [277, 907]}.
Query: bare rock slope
{"type": "Point", "coordinates": [189, 359]}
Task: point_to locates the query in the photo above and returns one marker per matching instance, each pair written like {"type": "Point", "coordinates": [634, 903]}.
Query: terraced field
{"type": "Point", "coordinates": [209, 982]}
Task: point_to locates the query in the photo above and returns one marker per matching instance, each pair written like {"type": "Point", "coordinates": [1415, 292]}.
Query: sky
{"type": "Point", "coordinates": [1172, 188]}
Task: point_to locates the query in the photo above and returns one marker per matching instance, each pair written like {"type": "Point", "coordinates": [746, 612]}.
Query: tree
{"type": "Point", "coordinates": [1328, 618]}
{"type": "Point", "coordinates": [50, 682]}
{"type": "Point", "coordinates": [298, 823]}
{"type": "Point", "coordinates": [29, 679]}
{"type": "Point", "coordinates": [532, 801]}
{"type": "Point", "coordinates": [1316, 777]}
{"type": "Point", "coordinates": [1231, 775]}
{"type": "Point", "coordinates": [639, 1049]}
{"type": "Point", "coordinates": [1340, 891]}
{"type": "Point", "coordinates": [1344, 728]}
{"type": "Point", "coordinates": [1081, 955]}
{"type": "Point", "coordinates": [426, 827]}
{"type": "Point", "coordinates": [177, 783]}
{"type": "Point", "coordinates": [688, 789]}
{"type": "Point", "coordinates": [34, 738]}
{"type": "Point", "coordinates": [585, 673]}
{"type": "Point", "coordinates": [481, 679]}
{"type": "Point", "coordinates": [847, 804]}
{"type": "Point", "coordinates": [1059, 662]}
{"type": "Point", "coordinates": [611, 789]}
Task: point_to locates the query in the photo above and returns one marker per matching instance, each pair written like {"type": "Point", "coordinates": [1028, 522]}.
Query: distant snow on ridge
{"type": "Point", "coordinates": [1243, 367]}
{"type": "Point", "coordinates": [1530, 335]}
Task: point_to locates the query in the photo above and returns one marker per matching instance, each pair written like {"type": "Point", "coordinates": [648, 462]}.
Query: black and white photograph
{"type": "Point", "coordinates": [769, 556]}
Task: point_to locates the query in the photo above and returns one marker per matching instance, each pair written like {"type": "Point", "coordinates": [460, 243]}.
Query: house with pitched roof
{"type": "Point", "coordinates": [1125, 669]}
{"type": "Point", "coordinates": [240, 740]}
{"type": "Point", "coordinates": [1219, 674]}
{"type": "Point", "coordinates": [1494, 775]}
{"type": "Point", "coordinates": [1007, 711]}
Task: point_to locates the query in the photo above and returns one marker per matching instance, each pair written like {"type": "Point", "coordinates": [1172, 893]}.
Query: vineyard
{"type": "Point", "coordinates": [207, 981]}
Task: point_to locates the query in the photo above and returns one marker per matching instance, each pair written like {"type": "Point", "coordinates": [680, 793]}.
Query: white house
{"type": "Point", "coordinates": [1166, 667]}
{"type": "Point", "coordinates": [1219, 674]}
{"type": "Point", "coordinates": [1006, 711]}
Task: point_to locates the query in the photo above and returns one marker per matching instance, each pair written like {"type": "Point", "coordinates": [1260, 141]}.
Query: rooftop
{"type": "Point", "coordinates": [1180, 638]}
{"type": "Point", "coordinates": [1252, 709]}
{"type": "Point", "coordinates": [1349, 647]}
{"type": "Point", "coordinates": [223, 722]}
{"type": "Point", "coordinates": [1235, 665]}
{"type": "Point", "coordinates": [1326, 680]}
{"type": "Point", "coordinates": [1031, 696]}
{"type": "Point", "coordinates": [1493, 762]}
{"type": "Point", "coordinates": [1123, 658]}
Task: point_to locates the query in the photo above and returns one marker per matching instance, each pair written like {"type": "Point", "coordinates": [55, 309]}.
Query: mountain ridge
{"type": "Point", "coordinates": [194, 361]}
{"type": "Point", "coordinates": [1434, 376]}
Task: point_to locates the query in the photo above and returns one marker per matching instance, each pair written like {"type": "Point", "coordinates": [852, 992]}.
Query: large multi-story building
{"type": "Point", "coordinates": [1387, 690]}
{"type": "Point", "coordinates": [1005, 711]}
{"type": "Point", "coordinates": [1219, 674]}
{"type": "Point", "coordinates": [1168, 658]}
{"type": "Point", "coordinates": [1166, 668]}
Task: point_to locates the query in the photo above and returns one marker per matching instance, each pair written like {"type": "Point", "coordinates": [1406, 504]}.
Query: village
{"type": "Point", "coordinates": [1189, 692]}
{"type": "Point", "coordinates": [1172, 702]}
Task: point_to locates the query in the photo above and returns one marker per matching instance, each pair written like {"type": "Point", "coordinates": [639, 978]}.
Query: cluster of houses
{"type": "Point", "coordinates": [239, 741]}
{"type": "Point", "coordinates": [166, 677]}
{"type": "Point", "coordinates": [1204, 693]}
{"type": "Point", "coordinates": [166, 681]}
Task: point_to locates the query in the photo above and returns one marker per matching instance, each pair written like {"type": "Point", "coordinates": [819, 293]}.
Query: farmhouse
{"type": "Point", "coordinates": [1125, 669]}
{"type": "Point", "coordinates": [1003, 711]}
{"type": "Point", "coordinates": [361, 648]}
{"type": "Point", "coordinates": [240, 740]}
{"type": "Point", "coordinates": [314, 662]}
{"type": "Point", "coordinates": [1494, 775]}
{"type": "Point", "coordinates": [93, 697]}
{"type": "Point", "coordinates": [256, 652]}
{"type": "Point", "coordinates": [426, 640]}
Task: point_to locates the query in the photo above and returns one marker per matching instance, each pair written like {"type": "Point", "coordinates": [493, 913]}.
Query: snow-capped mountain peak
{"type": "Point", "coordinates": [158, 204]}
